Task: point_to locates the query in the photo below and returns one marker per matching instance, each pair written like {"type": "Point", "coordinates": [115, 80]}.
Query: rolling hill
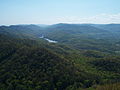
{"type": "Point", "coordinates": [86, 56]}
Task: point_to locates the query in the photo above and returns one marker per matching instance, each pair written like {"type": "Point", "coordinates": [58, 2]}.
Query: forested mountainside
{"type": "Point", "coordinates": [86, 56]}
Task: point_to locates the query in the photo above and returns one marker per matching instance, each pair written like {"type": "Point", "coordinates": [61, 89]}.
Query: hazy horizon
{"type": "Point", "coordinates": [58, 23]}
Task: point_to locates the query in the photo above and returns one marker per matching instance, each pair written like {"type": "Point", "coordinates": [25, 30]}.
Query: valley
{"type": "Point", "coordinates": [60, 57]}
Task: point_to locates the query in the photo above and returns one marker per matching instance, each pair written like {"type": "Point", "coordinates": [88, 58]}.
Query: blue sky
{"type": "Point", "coordinates": [59, 11]}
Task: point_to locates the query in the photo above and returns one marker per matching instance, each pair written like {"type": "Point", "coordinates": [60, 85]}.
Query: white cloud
{"type": "Point", "coordinates": [97, 19]}
{"type": "Point", "coordinates": [102, 18]}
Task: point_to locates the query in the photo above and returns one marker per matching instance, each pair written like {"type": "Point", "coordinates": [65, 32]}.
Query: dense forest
{"type": "Point", "coordinates": [84, 57]}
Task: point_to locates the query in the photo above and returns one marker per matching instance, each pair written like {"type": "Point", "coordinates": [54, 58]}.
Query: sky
{"type": "Point", "coordinates": [59, 11]}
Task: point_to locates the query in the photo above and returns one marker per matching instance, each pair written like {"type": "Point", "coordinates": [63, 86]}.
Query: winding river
{"type": "Point", "coordinates": [49, 40]}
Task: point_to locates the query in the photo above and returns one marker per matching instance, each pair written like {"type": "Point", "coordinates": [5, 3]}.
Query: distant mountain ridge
{"type": "Point", "coordinates": [84, 57]}
{"type": "Point", "coordinates": [75, 35]}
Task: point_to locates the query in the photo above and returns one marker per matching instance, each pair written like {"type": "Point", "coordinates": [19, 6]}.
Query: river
{"type": "Point", "coordinates": [49, 40]}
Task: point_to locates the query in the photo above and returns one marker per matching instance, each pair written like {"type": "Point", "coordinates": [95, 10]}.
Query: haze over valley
{"type": "Point", "coordinates": [59, 45]}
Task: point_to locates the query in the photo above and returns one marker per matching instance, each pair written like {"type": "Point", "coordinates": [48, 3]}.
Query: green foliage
{"type": "Point", "coordinates": [85, 58]}
{"type": "Point", "coordinates": [115, 86]}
